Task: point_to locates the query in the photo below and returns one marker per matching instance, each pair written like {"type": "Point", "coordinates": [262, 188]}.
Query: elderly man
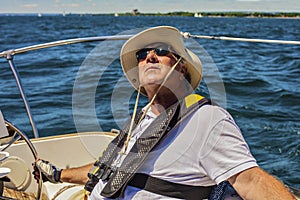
{"type": "Point", "coordinates": [180, 145]}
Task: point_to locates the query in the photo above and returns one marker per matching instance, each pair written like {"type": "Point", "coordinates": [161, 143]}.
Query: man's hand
{"type": "Point", "coordinates": [48, 170]}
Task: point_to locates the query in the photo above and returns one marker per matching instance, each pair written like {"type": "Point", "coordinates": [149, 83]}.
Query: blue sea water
{"type": "Point", "coordinates": [261, 81]}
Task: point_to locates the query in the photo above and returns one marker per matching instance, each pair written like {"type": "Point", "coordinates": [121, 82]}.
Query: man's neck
{"type": "Point", "coordinates": [164, 101]}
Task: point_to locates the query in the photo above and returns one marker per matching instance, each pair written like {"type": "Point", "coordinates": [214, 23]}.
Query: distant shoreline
{"type": "Point", "coordinates": [222, 14]}
{"type": "Point", "coordinates": [184, 14]}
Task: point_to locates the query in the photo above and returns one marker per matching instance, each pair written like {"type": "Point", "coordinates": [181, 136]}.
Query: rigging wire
{"type": "Point", "coordinates": [188, 35]}
{"type": "Point", "coordinates": [126, 37]}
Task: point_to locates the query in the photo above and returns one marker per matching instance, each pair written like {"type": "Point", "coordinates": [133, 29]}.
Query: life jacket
{"type": "Point", "coordinates": [118, 178]}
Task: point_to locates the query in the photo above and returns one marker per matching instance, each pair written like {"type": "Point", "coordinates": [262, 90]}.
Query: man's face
{"type": "Point", "coordinates": [154, 64]}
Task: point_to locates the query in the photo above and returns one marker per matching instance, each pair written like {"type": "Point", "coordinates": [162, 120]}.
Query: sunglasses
{"type": "Point", "coordinates": [142, 54]}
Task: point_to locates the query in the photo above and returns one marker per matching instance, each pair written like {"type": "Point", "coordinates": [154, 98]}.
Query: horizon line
{"type": "Point", "coordinates": [233, 11]}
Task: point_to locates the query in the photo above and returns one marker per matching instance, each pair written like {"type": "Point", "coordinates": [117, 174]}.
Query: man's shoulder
{"type": "Point", "coordinates": [211, 108]}
{"type": "Point", "coordinates": [210, 111]}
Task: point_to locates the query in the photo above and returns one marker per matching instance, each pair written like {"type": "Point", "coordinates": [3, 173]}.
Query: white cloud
{"type": "Point", "coordinates": [70, 5]}
{"type": "Point", "coordinates": [258, 0]}
{"type": "Point", "coordinates": [248, 0]}
{"type": "Point", "coordinates": [33, 5]}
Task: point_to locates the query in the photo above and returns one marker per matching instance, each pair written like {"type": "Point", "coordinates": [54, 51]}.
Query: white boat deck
{"type": "Point", "coordinates": [69, 150]}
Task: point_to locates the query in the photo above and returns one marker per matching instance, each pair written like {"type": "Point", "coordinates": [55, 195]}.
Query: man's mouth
{"type": "Point", "coordinates": [152, 67]}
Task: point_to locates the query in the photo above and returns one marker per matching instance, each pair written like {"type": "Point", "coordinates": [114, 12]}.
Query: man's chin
{"type": "Point", "coordinates": [152, 83]}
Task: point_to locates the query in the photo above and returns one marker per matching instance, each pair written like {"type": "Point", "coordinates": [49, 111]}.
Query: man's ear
{"type": "Point", "coordinates": [183, 68]}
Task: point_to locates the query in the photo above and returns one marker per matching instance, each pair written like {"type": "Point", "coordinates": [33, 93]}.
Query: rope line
{"type": "Point", "coordinates": [63, 189]}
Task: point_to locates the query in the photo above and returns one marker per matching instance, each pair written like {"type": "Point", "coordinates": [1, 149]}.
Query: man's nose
{"type": "Point", "coordinates": [151, 57]}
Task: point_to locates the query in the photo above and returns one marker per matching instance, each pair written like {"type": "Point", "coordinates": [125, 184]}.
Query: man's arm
{"type": "Point", "coordinates": [78, 175]}
{"type": "Point", "coordinates": [254, 183]}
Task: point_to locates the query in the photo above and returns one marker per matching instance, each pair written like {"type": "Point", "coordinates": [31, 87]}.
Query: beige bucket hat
{"type": "Point", "coordinates": [161, 34]}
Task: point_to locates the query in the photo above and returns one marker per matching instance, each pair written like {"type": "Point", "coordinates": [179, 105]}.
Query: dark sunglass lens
{"type": "Point", "coordinates": [161, 52]}
{"type": "Point", "coordinates": [142, 54]}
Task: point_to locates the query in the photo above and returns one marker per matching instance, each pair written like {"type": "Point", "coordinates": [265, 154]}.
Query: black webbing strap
{"type": "Point", "coordinates": [158, 129]}
{"type": "Point", "coordinates": [170, 189]}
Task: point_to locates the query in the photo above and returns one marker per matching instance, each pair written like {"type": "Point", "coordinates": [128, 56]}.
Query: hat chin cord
{"type": "Point", "coordinates": [129, 135]}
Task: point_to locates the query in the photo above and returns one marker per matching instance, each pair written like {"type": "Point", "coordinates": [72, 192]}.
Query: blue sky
{"type": "Point", "coordinates": [153, 6]}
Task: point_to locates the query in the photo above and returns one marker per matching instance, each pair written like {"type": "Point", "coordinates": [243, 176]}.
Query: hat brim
{"type": "Point", "coordinates": [162, 34]}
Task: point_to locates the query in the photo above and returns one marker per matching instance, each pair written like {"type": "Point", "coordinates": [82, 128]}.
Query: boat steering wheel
{"type": "Point", "coordinates": [13, 130]}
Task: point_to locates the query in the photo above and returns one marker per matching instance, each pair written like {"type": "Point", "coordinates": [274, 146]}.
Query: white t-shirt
{"type": "Point", "coordinates": [206, 149]}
